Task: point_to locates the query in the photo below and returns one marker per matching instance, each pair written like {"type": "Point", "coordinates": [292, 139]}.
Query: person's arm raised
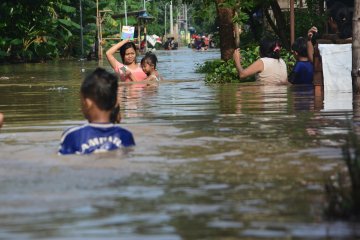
{"type": "Point", "coordinates": [255, 67]}
{"type": "Point", "coordinates": [111, 51]}
{"type": "Point", "coordinates": [309, 45]}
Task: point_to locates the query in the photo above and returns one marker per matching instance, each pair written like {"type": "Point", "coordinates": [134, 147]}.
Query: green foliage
{"type": "Point", "coordinates": [224, 73]}
{"type": "Point", "coordinates": [38, 30]}
{"type": "Point", "coordinates": [305, 19]}
{"type": "Point", "coordinates": [218, 71]}
{"type": "Point", "coordinates": [289, 59]}
{"type": "Point", "coordinates": [209, 66]}
{"type": "Point", "coordinates": [202, 16]}
{"type": "Point", "coordinates": [241, 17]}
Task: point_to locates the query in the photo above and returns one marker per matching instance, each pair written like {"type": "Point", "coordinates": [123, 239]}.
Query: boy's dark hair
{"type": "Point", "coordinates": [101, 87]}
{"type": "Point", "coordinates": [125, 47]}
{"type": "Point", "coordinates": [299, 46]}
{"type": "Point", "coordinates": [150, 58]}
{"type": "Point", "coordinates": [270, 48]}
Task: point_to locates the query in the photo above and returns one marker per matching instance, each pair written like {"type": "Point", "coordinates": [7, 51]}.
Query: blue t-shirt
{"type": "Point", "coordinates": [93, 137]}
{"type": "Point", "coordinates": [302, 73]}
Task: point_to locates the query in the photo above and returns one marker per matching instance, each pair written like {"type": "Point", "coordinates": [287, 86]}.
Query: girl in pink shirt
{"type": "Point", "coordinates": [129, 70]}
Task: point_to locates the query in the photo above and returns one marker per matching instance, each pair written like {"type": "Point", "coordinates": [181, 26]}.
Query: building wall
{"type": "Point", "coordinates": [284, 3]}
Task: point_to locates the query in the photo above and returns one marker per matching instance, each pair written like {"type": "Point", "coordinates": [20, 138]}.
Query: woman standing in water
{"type": "Point", "coordinates": [270, 69]}
{"type": "Point", "coordinates": [128, 70]}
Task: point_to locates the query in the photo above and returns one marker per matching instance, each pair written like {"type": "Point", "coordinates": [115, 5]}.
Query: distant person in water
{"type": "Point", "coordinates": [269, 69]}
{"type": "Point", "coordinates": [303, 70]}
{"type": "Point", "coordinates": [148, 64]}
{"type": "Point", "coordinates": [1, 119]}
{"type": "Point", "coordinates": [99, 106]}
{"type": "Point", "coordinates": [128, 70]}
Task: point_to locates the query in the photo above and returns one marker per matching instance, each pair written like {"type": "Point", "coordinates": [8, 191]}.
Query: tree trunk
{"type": "Point", "coordinates": [355, 170]}
{"type": "Point", "coordinates": [321, 7]}
{"type": "Point", "coordinates": [280, 28]}
{"type": "Point", "coordinates": [226, 27]}
{"type": "Point", "coordinates": [255, 28]}
{"type": "Point", "coordinates": [356, 48]}
{"type": "Point", "coordinates": [236, 33]}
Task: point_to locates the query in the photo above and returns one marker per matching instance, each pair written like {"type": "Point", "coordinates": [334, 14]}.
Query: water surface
{"type": "Point", "coordinates": [233, 161]}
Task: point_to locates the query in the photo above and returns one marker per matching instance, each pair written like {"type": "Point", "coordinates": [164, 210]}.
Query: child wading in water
{"type": "Point", "coordinates": [148, 64]}
{"type": "Point", "coordinates": [99, 106]}
{"type": "Point", "coordinates": [303, 70]}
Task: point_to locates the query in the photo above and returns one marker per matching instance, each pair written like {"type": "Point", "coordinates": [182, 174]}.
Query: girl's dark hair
{"type": "Point", "coordinates": [299, 46]}
{"type": "Point", "coordinates": [150, 58]}
{"type": "Point", "coordinates": [101, 87]}
{"type": "Point", "coordinates": [270, 48]}
{"type": "Point", "coordinates": [124, 48]}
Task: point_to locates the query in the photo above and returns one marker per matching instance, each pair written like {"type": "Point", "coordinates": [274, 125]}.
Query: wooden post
{"type": "Point", "coordinates": [99, 53]}
{"type": "Point", "coordinates": [139, 34]}
{"type": "Point", "coordinates": [100, 39]}
{"type": "Point", "coordinates": [292, 22]}
{"type": "Point", "coordinates": [356, 48]}
{"type": "Point", "coordinates": [237, 35]}
{"type": "Point", "coordinates": [145, 33]}
{"type": "Point", "coordinates": [236, 32]}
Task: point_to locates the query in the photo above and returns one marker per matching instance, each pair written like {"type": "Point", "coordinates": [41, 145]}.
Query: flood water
{"type": "Point", "coordinates": [233, 161]}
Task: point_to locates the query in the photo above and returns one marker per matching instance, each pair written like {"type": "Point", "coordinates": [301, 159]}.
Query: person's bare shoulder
{"type": "Point", "coordinates": [1, 119]}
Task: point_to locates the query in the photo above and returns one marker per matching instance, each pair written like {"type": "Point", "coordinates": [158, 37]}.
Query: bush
{"type": "Point", "coordinates": [219, 71]}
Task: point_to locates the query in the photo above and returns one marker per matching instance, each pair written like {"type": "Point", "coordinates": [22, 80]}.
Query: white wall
{"type": "Point", "coordinates": [284, 3]}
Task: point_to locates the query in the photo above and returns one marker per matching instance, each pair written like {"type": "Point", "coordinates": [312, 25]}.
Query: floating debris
{"type": "Point", "coordinates": [4, 78]}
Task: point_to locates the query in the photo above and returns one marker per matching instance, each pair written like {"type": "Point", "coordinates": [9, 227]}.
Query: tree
{"type": "Point", "coordinates": [37, 29]}
{"type": "Point", "coordinates": [226, 27]}
{"type": "Point", "coordinates": [280, 26]}
{"type": "Point", "coordinates": [356, 48]}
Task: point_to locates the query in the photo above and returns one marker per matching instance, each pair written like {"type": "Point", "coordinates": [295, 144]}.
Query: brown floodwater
{"type": "Point", "coordinates": [232, 161]}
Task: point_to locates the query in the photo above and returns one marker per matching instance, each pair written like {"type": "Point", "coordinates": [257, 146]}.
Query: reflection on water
{"type": "Point", "coordinates": [234, 161]}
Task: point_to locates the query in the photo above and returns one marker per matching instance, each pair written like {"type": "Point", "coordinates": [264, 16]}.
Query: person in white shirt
{"type": "Point", "coordinates": [269, 69]}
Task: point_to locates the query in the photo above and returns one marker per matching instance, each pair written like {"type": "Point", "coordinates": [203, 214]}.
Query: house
{"type": "Point", "coordinates": [285, 4]}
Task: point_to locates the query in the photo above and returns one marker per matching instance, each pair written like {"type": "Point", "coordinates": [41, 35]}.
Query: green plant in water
{"type": "Point", "coordinates": [218, 71]}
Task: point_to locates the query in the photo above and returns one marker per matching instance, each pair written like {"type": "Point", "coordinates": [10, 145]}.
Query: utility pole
{"type": "Point", "coordinates": [81, 32]}
{"type": "Point", "coordinates": [171, 19]}
{"type": "Point", "coordinates": [125, 13]}
{"type": "Point", "coordinates": [292, 22]}
{"type": "Point", "coordinates": [186, 24]}
{"type": "Point", "coordinates": [356, 49]}
{"type": "Point", "coordinates": [98, 37]}
{"type": "Point", "coordinates": [165, 21]}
